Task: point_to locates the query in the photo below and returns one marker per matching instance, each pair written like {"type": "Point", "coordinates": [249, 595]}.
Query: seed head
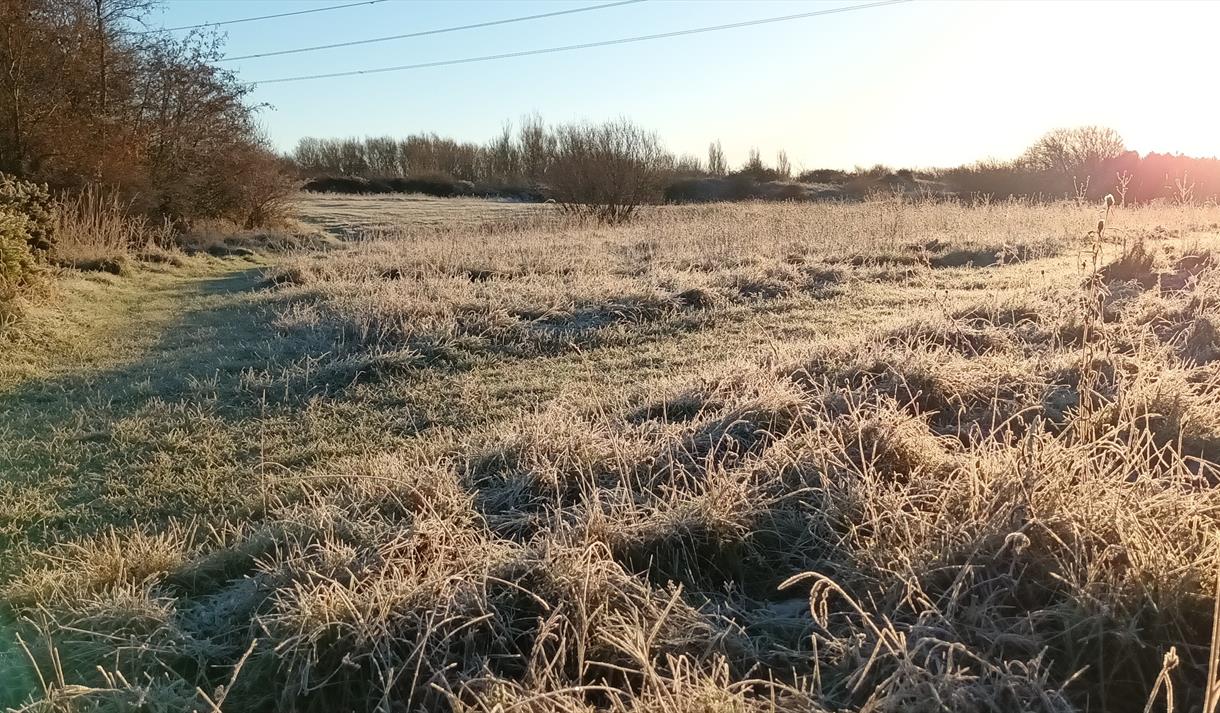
{"type": "Point", "coordinates": [1101, 225]}
{"type": "Point", "coordinates": [1109, 200]}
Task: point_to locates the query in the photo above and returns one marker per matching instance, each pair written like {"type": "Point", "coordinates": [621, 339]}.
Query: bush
{"type": "Point", "coordinates": [740, 187]}
{"type": "Point", "coordinates": [439, 185]}
{"type": "Point", "coordinates": [734, 187]}
{"type": "Point", "coordinates": [512, 189]}
{"type": "Point", "coordinates": [1005, 180]}
{"type": "Point", "coordinates": [255, 186]}
{"type": "Point", "coordinates": [27, 218]}
{"type": "Point", "coordinates": [433, 184]}
{"type": "Point", "coordinates": [97, 101]}
{"type": "Point", "coordinates": [758, 174]}
{"type": "Point", "coordinates": [606, 171]}
{"type": "Point", "coordinates": [16, 258]}
{"type": "Point", "coordinates": [341, 184]}
{"type": "Point", "coordinates": [95, 229]}
{"type": "Point", "coordinates": [695, 190]}
{"type": "Point", "coordinates": [32, 202]}
{"type": "Point", "coordinates": [823, 175]}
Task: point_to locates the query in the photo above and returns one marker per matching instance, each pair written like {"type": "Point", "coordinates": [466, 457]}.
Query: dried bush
{"type": "Point", "coordinates": [823, 175]}
{"type": "Point", "coordinates": [96, 230]}
{"type": "Point", "coordinates": [606, 171]}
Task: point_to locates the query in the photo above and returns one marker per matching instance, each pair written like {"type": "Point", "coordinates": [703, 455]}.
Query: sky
{"type": "Point", "coordinates": [925, 83]}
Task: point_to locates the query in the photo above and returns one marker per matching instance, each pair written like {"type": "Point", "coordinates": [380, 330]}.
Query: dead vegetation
{"type": "Point", "coordinates": [998, 501]}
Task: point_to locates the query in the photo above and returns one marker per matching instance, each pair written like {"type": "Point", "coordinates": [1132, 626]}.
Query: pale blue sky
{"type": "Point", "coordinates": [925, 83]}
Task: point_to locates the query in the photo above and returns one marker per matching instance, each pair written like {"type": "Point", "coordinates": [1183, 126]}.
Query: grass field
{"type": "Point", "coordinates": [886, 456]}
{"type": "Point", "coordinates": [357, 216]}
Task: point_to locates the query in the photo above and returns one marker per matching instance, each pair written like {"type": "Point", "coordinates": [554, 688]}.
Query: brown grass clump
{"type": "Point", "coordinates": [96, 231]}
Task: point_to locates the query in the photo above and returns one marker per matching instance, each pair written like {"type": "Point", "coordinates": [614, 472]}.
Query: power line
{"type": "Point", "coordinates": [587, 45]}
{"type": "Point", "coordinates": [260, 17]}
{"type": "Point", "coordinates": [433, 32]}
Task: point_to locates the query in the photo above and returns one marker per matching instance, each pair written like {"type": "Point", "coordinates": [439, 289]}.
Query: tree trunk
{"type": "Point", "coordinates": [103, 98]}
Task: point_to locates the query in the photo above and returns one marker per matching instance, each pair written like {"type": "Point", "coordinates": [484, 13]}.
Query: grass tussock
{"type": "Point", "coordinates": [1003, 501]}
{"type": "Point", "coordinates": [96, 232]}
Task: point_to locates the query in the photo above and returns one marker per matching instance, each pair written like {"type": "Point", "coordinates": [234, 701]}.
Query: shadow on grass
{"type": "Point", "coordinates": [221, 409]}
{"type": "Point", "coordinates": [186, 428]}
{"type": "Point", "coordinates": [209, 344]}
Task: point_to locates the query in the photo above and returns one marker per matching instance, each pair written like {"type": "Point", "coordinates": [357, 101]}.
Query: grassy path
{"type": "Point", "coordinates": [106, 343]}
{"type": "Point", "coordinates": [91, 391]}
{"type": "Point", "coordinates": [94, 322]}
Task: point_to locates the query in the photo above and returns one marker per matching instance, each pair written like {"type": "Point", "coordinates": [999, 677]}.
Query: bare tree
{"type": "Point", "coordinates": [754, 164]}
{"type": "Point", "coordinates": [307, 156]}
{"type": "Point", "coordinates": [687, 165]}
{"type": "Point", "coordinates": [1073, 152]}
{"type": "Point", "coordinates": [330, 153]}
{"type": "Point", "coordinates": [352, 160]}
{"type": "Point", "coordinates": [606, 171]}
{"type": "Point", "coordinates": [716, 165]}
{"type": "Point", "coordinates": [782, 167]}
{"type": "Point", "coordinates": [381, 155]}
{"type": "Point", "coordinates": [536, 146]}
{"type": "Point", "coordinates": [502, 155]}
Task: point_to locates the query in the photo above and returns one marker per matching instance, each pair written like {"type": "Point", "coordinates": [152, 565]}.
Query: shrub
{"type": "Point", "coordinates": [1005, 180]}
{"type": "Point", "coordinates": [153, 116]}
{"type": "Point", "coordinates": [439, 185]}
{"type": "Point", "coordinates": [740, 187]}
{"type": "Point", "coordinates": [823, 175]}
{"type": "Point", "coordinates": [695, 190]}
{"type": "Point", "coordinates": [33, 202]}
{"type": "Point", "coordinates": [513, 189]}
{"type": "Point", "coordinates": [16, 258]}
{"type": "Point", "coordinates": [96, 230]}
{"type": "Point", "coordinates": [27, 216]}
{"type": "Point", "coordinates": [606, 171]}
{"type": "Point", "coordinates": [256, 187]}
{"type": "Point", "coordinates": [758, 174]}
{"type": "Point", "coordinates": [342, 184]}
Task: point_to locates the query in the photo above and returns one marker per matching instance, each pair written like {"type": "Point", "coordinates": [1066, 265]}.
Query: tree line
{"type": "Point", "coordinates": [1087, 161]}
{"type": "Point", "coordinates": [89, 98]}
{"type": "Point", "coordinates": [523, 153]}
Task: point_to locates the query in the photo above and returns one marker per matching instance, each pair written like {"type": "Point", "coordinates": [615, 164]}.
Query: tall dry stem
{"type": "Point", "coordinates": [98, 220]}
